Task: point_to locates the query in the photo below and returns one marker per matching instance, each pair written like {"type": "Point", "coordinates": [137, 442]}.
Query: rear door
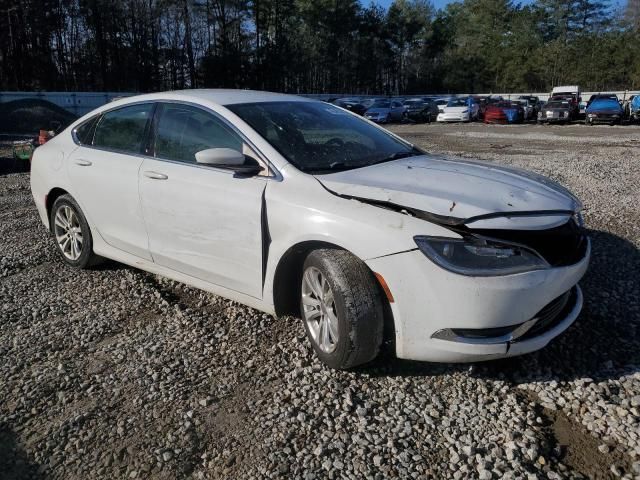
{"type": "Point", "coordinates": [104, 175]}
{"type": "Point", "coordinates": [202, 221]}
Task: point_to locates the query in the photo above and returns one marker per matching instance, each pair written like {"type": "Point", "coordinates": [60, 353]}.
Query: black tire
{"type": "Point", "coordinates": [86, 258]}
{"type": "Point", "coordinates": [357, 304]}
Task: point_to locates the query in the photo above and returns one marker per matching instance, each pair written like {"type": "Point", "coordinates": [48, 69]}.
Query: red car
{"type": "Point", "coordinates": [504, 112]}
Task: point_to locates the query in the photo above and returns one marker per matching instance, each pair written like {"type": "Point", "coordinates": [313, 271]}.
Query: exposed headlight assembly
{"type": "Point", "coordinates": [479, 257]}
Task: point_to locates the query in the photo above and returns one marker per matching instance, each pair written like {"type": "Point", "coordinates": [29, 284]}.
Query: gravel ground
{"type": "Point", "coordinates": [115, 373]}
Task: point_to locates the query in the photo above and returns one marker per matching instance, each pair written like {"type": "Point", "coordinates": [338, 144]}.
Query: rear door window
{"type": "Point", "coordinates": [123, 129]}
{"type": "Point", "coordinates": [183, 130]}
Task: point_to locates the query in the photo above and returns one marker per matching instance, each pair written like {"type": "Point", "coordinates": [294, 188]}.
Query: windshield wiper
{"type": "Point", "coordinates": [340, 166]}
{"type": "Point", "coordinates": [397, 156]}
{"type": "Point", "coordinates": [331, 168]}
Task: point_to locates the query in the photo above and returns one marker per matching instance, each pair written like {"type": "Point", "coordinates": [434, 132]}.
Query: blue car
{"type": "Point", "coordinates": [385, 111]}
{"type": "Point", "coordinates": [604, 110]}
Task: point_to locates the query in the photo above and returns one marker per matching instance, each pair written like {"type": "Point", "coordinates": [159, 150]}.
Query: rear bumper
{"type": "Point", "coordinates": [429, 299]}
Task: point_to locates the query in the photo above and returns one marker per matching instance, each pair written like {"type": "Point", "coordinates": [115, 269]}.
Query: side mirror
{"type": "Point", "coordinates": [229, 159]}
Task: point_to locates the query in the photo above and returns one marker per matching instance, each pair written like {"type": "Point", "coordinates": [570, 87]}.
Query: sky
{"type": "Point", "coordinates": [443, 3]}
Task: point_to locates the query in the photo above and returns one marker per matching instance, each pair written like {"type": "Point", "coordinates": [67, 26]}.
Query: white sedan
{"type": "Point", "coordinates": [298, 207]}
{"type": "Point", "coordinates": [460, 109]}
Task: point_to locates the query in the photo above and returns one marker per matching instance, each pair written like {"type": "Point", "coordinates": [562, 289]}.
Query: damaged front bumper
{"type": "Point", "coordinates": [444, 317]}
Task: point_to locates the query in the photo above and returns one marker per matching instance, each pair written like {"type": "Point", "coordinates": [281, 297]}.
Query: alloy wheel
{"type": "Point", "coordinates": [319, 310]}
{"type": "Point", "coordinates": [68, 232]}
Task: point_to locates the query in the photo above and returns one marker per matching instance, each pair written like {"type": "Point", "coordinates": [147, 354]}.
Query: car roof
{"type": "Point", "coordinates": [220, 96]}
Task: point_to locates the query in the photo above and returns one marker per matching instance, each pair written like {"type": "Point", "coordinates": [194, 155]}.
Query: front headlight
{"type": "Point", "coordinates": [479, 257]}
{"type": "Point", "coordinates": [579, 219]}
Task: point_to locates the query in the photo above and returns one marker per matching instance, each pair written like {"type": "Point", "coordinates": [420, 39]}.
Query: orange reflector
{"type": "Point", "coordinates": [384, 286]}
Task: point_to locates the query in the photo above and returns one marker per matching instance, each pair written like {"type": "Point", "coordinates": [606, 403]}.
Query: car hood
{"type": "Point", "coordinates": [607, 110]}
{"type": "Point", "coordinates": [455, 109]}
{"type": "Point", "coordinates": [378, 110]}
{"type": "Point", "coordinates": [453, 191]}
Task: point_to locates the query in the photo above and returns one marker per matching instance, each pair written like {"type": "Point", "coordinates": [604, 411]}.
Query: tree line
{"type": "Point", "coordinates": [318, 46]}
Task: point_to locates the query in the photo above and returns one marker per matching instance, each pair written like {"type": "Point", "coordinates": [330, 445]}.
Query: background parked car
{"type": "Point", "coordinates": [556, 110]}
{"type": "Point", "coordinates": [420, 110]}
{"type": "Point", "coordinates": [460, 109]}
{"type": "Point", "coordinates": [633, 108]}
{"type": "Point", "coordinates": [441, 103]}
{"type": "Point", "coordinates": [528, 109]}
{"type": "Point", "coordinates": [482, 105]}
{"type": "Point", "coordinates": [352, 104]}
{"type": "Point", "coordinates": [604, 110]}
{"type": "Point", "coordinates": [504, 112]}
{"type": "Point", "coordinates": [535, 103]}
{"type": "Point", "coordinates": [573, 106]}
{"type": "Point", "coordinates": [385, 111]}
{"type": "Point", "coordinates": [600, 96]}
{"type": "Point", "coordinates": [573, 95]}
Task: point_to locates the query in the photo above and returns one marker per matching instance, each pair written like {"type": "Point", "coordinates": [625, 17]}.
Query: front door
{"type": "Point", "coordinates": [202, 221]}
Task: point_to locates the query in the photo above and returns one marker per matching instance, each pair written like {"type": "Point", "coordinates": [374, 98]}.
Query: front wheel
{"type": "Point", "coordinates": [341, 307]}
{"type": "Point", "coordinates": [72, 234]}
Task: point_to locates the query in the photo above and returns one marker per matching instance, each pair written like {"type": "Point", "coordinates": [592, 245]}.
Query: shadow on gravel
{"type": "Point", "coordinates": [12, 165]}
{"type": "Point", "coordinates": [14, 463]}
{"type": "Point", "coordinates": [601, 344]}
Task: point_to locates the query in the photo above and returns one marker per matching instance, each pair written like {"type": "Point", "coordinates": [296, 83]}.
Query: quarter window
{"type": "Point", "coordinates": [84, 133]}
{"type": "Point", "coordinates": [182, 131]}
{"type": "Point", "coordinates": [123, 129]}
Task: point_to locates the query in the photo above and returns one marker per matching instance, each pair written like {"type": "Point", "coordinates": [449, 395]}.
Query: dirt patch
{"type": "Point", "coordinates": [574, 446]}
{"type": "Point", "coordinates": [581, 449]}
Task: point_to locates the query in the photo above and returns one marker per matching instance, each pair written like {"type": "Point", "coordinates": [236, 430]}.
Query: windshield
{"type": "Point", "coordinates": [457, 102]}
{"type": "Point", "coordinates": [412, 103]}
{"type": "Point", "coordinates": [557, 105]}
{"type": "Point", "coordinates": [320, 138]}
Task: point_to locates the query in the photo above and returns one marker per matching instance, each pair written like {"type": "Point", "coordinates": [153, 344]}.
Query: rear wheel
{"type": "Point", "coordinates": [72, 234]}
{"type": "Point", "coordinates": [341, 307]}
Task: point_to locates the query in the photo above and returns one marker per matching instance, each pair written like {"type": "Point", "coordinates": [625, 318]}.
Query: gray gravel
{"type": "Point", "coordinates": [115, 373]}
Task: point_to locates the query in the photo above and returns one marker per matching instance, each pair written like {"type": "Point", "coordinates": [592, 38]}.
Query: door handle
{"type": "Point", "coordinates": [83, 163]}
{"type": "Point", "coordinates": [155, 175]}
